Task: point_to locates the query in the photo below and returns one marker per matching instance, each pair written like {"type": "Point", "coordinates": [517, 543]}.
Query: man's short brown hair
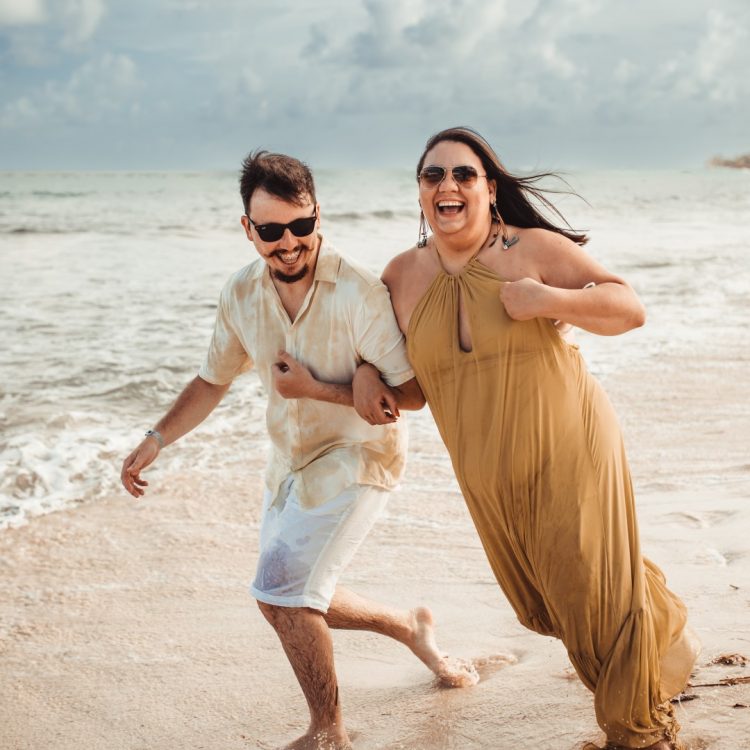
{"type": "Point", "coordinates": [282, 176]}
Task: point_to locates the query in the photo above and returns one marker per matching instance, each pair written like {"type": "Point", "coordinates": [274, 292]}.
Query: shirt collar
{"type": "Point", "coordinates": [327, 267]}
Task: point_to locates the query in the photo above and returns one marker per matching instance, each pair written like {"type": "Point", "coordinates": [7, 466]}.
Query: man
{"type": "Point", "coordinates": [306, 317]}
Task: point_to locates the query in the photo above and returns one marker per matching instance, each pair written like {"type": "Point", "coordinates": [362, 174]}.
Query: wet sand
{"type": "Point", "coordinates": [128, 625]}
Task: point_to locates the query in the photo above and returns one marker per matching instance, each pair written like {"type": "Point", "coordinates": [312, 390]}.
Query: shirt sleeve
{"type": "Point", "coordinates": [378, 338]}
{"type": "Point", "coordinates": [226, 357]}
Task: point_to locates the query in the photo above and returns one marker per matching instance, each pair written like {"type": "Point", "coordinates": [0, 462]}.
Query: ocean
{"type": "Point", "coordinates": [110, 282]}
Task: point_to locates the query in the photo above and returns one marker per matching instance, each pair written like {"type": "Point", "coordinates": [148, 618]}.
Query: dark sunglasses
{"type": "Point", "coordinates": [464, 175]}
{"type": "Point", "coordinates": [274, 232]}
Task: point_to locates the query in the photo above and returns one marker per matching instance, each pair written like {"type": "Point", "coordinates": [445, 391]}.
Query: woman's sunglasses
{"type": "Point", "coordinates": [274, 232]}
{"type": "Point", "coordinates": [464, 175]}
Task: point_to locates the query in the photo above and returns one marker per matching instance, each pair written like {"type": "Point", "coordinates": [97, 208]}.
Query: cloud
{"type": "Point", "coordinates": [94, 92]}
{"type": "Point", "coordinates": [549, 69]}
{"type": "Point", "coordinates": [708, 68]}
{"type": "Point", "coordinates": [534, 76]}
{"type": "Point", "coordinates": [399, 32]}
{"type": "Point", "coordinates": [35, 32]}
{"type": "Point", "coordinates": [21, 12]}
{"type": "Point", "coordinates": [80, 19]}
{"type": "Point", "coordinates": [625, 71]}
{"type": "Point", "coordinates": [724, 45]}
{"type": "Point", "coordinates": [558, 64]}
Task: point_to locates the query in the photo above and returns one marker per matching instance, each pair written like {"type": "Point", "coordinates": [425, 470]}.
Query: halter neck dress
{"type": "Point", "coordinates": [538, 453]}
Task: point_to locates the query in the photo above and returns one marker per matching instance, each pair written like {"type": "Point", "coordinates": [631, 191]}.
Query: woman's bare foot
{"type": "Point", "coordinates": [322, 739]}
{"type": "Point", "coordinates": [450, 671]}
{"type": "Point", "coordinates": [660, 745]}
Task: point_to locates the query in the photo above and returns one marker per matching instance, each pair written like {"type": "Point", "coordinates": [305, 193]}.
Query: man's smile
{"type": "Point", "coordinates": [289, 257]}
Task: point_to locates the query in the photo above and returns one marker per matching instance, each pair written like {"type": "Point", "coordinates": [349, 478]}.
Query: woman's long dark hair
{"type": "Point", "coordinates": [513, 192]}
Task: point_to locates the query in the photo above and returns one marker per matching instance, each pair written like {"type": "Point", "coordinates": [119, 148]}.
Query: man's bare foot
{"type": "Point", "coordinates": [322, 739]}
{"type": "Point", "coordinates": [450, 672]}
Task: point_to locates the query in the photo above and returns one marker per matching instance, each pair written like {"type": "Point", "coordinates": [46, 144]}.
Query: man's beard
{"type": "Point", "coordinates": [290, 278]}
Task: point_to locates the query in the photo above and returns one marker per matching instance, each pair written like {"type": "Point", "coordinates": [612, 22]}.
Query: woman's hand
{"type": "Point", "coordinates": [525, 299]}
{"type": "Point", "coordinates": [373, 399]}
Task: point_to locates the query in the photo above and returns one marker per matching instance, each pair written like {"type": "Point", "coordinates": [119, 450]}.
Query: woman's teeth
{"type": "Point", "coordinates": [450, 207]}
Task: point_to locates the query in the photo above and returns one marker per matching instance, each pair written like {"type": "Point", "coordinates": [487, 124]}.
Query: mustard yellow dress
{"type": "Point", "coordinates": [537, 451]}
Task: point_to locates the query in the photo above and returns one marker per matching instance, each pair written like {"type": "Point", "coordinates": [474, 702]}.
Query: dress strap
{"type": "Point", "coordinates": [440, 257]}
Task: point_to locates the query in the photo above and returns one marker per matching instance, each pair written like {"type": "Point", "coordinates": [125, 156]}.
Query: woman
{"type": "Point", "coordinates": [533, 439]}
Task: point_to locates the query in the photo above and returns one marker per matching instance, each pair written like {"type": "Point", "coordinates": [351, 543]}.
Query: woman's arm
{"type": "Point", "coordinates": [564, 268]}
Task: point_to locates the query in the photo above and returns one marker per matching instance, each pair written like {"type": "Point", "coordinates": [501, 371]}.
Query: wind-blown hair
{"type": "Point", "coordinates": [514, 194]}
{"type": "Point", "coordinates": [278, 174]}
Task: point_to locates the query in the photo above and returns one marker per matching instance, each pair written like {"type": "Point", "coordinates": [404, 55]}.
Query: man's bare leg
{"type": "Point", "coordinates": [306, 640]}
{"type": "Point", "coordinates": [414, 628]}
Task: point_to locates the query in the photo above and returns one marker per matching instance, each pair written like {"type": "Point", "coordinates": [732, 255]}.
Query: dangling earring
{"type": "Point", "coordinates": [503, 231]}
{"type": "Point", "coordinates": [422, 241]}
{"type": "Point", "coordinates": [496, 218]}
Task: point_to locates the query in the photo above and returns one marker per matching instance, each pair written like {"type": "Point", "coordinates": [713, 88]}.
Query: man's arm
{"type": "Point", "coordinates": [193, 405]}
{"type": "Point", "coordinates": [376, 402]}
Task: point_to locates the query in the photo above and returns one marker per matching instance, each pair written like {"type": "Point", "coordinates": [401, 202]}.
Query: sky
{"type": "Point", "coordinates": [196, 84]}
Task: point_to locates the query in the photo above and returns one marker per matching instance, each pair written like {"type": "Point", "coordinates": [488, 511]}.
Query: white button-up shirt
{"type": "Point", "coordinates": [345, 319]}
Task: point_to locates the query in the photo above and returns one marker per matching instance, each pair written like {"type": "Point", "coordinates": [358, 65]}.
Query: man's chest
{"type": "Point", "coordinates": [320, 336]}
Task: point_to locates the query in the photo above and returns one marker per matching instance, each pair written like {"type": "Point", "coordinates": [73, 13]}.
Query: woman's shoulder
{"type": "Point", "coordinates": [539, 236]}
{"type": "Point", "coordinates": [545, 244]}
{"type": "Point", "coordinates": [401, 263]}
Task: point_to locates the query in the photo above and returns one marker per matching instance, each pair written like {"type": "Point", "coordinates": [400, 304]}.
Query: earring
{"type": "Point", "coordinates": [497, 219]}
{"type": "Point", "coordinates": [495, 212]}
{"type": "Point", "coordinates": [422, 241]}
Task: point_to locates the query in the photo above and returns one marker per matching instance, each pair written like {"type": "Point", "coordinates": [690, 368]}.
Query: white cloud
{"type": "Point", "coordinates": [21, 12]}
{"type": "Point", "coordinates": [37, 35]}
{"type": "Point", "coordinates": [533, 73]}
{"type": "Point", "coordinates": [96, 90]}
{"type": "Point", "coordinates": [398, 33]}
{"type": "Point", "coordinates": [625, 71]}
{"type": "Point", "coordinates": [557, 62]}
{"type": "Point", "coordinates": [80, 19]}
{"type": "Point", "coordinates": [721, 49]}
{"type": "Point", "coordinates": [714, 69]}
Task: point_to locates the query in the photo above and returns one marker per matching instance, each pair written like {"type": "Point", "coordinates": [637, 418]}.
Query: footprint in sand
{"type": "Point", "coordinates": [711, 556]}
{"type": "Point", "coordinates": [487, 666]}
{"type": "Point", "coordinates": [701, 519]}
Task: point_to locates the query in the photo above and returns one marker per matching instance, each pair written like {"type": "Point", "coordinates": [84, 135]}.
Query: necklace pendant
{"type": "Point", "coordinates": [508, 243]}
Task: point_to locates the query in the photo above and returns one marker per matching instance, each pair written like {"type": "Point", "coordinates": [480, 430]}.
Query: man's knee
{"type": "Point", "coordinates": [277, 615]}
{"type": "Point", "coordinates": [270, 611]}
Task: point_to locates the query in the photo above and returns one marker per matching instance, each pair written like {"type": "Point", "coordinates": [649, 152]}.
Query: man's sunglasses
{"type": "Point", "coordinates": [274, 232]}
{"type": "Point", "coordinates": [464, 175]}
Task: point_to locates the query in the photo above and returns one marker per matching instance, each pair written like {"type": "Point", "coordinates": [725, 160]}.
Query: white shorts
{"type": "Point", "coordinates": [303, 551]}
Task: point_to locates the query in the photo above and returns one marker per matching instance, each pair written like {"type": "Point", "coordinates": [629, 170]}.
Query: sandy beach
{"type": "Point", "coordinates": [126, 130]}
{"type": "Point", "coordinates": [128, 625]}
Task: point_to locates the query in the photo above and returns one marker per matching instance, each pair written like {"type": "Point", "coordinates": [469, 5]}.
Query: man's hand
{"type": "Point", "coordinates": [291, 378]}
{"type": "Point", "coordinates": [139, 459]}
{"type": "Point", "coordinates": [373, 399]}
{"type": "Point", "coordinates": [197, 400]}
{"type": "Point", "coordinates": [524, 299]}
